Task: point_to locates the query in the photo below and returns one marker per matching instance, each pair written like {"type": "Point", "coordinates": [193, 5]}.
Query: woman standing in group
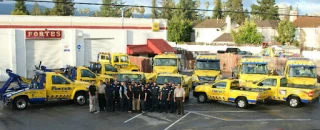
{"type": "Point", "coordinates": [143, 98]}
{"type": "Point", "coordinates": [129, 97]}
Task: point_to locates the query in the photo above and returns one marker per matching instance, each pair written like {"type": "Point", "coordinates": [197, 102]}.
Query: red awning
{"type": "Point", "coordinates": [154, 46]}
{"type": "Point", "coordinates": [139, 49]}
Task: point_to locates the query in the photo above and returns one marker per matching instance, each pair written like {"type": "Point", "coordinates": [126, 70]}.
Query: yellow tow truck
{"type": "Point", "coordinates": [184, 80]}
{"type": "Point", "coordinates": [135, 76]}
{"type": "Point", "coordinates": [103, 68]}
{"type": "Point", "coordinates": [229, 90]}
{"type": "Point", "coordinates": [206, 70]}
{"type": "Point", "coordinates": [46, 86]}
{"type": "Point", "coordinates": [166, 63]}
{"type": "Point", "coordinates": [293, 94]}
{"type": "Point", "coordinates": [117, 60]}
{"type": "Point", "coordinates": [250, 69]}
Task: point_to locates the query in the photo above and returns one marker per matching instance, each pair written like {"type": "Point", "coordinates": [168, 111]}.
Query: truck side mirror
{"type": "Point", "coordinates": [214, 86]}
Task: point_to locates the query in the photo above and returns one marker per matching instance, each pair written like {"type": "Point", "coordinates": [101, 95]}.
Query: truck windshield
{"type": "Point", "coordinates": [165, 62]}
{"type": "Point", "coordinates": [166, 79]}
{"type": "Point", "coordinates": [254, 69]}
{"type": "Point", "coordinates": [132, 77]}
{"type": "Point", "coordinates": [302, 71]}
{"type": "Point", "coordinates": [207, 65]}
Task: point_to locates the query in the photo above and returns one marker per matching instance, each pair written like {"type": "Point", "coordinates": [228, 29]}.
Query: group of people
{"type": "Point", "coordinates": [136, 97]}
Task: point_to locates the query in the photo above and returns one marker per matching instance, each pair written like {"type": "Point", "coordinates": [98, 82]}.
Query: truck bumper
{"type": "Point", "coordinates": [315, 100]}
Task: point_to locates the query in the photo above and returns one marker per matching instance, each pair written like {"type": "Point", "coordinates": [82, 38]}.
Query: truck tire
{"type": "Point", "coordinates": [242, 102]}
{"type": "Point", "coordinates": [80, 99]}
{"type": "Point", "coordinates": [202, 98]}
{"type": "Point", "coordinates": [20, 103]}
{"type": "Point", "coordinates": [294, 102]}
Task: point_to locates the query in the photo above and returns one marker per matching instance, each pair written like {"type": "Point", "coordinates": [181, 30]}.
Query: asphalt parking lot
{"type": "Point", "coordinates": [211, 116]}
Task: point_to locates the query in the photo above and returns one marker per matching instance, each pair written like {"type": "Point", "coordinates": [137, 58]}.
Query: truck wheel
{"type": "Point", "coordinates": [294, 102]}
{"type": "Point", "coordinates": [80, 99]}
{"type": "Point", "coordinates": [202, 98]}
{"type": "Point", "coordinates": [242, 102]}
{"type": "Point", "coordinates": [20, 103]}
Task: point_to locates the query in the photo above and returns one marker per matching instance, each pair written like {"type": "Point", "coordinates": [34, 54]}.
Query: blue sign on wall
{"type": "Point", "coordinates": [78, 47]}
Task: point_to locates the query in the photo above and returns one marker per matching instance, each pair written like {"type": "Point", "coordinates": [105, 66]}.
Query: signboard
{"type": "Point", "coordinates": [155, 26]}
{"type": "Point", "coordinates": [43, 34]}
{"type": "Point", "coordinates": [66, 48]}
{"type": "Point", "coordinates": [78, 47]}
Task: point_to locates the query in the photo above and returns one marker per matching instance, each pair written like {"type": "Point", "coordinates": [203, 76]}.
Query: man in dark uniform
{"type": "Point", "coordinates": [164, 98]}
{"type": "Point", "coordinates": [149, 101]}
{"type": "Point", "coordinates": [150, 83]}
{"type": "Point", "coordinates": [141, 84]}
{"type": "Point", "coordinates": [172, 103]}
{"type": "Point", "coordinates": [155, 96]}
{"type": "Point", "coordinates": [109, 96]}
{"type": "Point", "coordinates": [170, 85]}
{"type": "Point", "coordinates": [127, 82]}
{"type": "Point", "coordinates": [116, 102]}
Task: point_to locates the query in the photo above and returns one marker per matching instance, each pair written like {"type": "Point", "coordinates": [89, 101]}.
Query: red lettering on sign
{"type": "Point", "coordinates": [42, 34]}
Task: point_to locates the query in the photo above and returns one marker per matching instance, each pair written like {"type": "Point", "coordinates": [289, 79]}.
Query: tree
{"type": "Point", "coordinates": [35, 9]}
{"type": "Point", "coordinates": [286, 33]}
{"type": "Point", "coordinates": [290, 8]}
{"type": "Point", "coordinates": [141, 11]}
{"type": "Point", "coordinates": [187, 12]}
{"type": "Point", "coordinates": [247, 15]}
{"type": "Point", "coordinates": [63, 8]}
{"type": "Point", "coordinates": [166, 12]}
{"type": "Point", "coordinates": [154, 11]}
{"type": "Point", "coordinates": [270, 11]}
{"type": "Point", "coordinates": [179, 29]}
{"type": "Point", "coordinates": [20, 8]}
{"type": "Point", "coordinates": [206, 5]}
{"type": "Point", "coordinates": [247, 34]}
{"type": "Point", "coordinates": [106, 10]}
{"type": "Point", "coordinates": [235, 6]}
{"type": "Point", "coordinates": [217, 14]}
{"type": "Point", "coordinates": [46, 11]}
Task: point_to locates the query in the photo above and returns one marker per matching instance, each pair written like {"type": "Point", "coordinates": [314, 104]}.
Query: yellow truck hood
{"type": "Point", "coordinates": [251, 77]}
{"type": "Point", "coordinates": [165, 69]}
{"type": "Point", "coordinates": [206, 72]}
{"type": "Point", "coordinates": [81, 84]}
{"type": "Point", "coordinates": [300, 80]}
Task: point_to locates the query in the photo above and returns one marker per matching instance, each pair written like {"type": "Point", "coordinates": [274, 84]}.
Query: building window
{"type": "Point", "coordinates": [218, 30]}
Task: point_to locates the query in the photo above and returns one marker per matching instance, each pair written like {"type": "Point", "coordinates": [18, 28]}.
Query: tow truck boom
{"type": "Point", "coordinates": [12, 78]}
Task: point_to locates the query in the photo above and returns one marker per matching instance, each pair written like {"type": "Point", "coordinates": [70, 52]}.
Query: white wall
{"type": "Point", "coordinates": [311, 36]}
{"type": "Point", "coordinates": [268, 34]}
{"type": "Point", "coordinates": [5, 53]}
{"type": "Point", "coordinates": [315, 55]}
{"type": "Point", "coordinates": [207, 35]}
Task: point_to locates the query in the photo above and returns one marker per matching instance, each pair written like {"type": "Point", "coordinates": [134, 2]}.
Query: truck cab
{"type": "Point", "coordinates": [117, 60]}
{"type": "Point", "coordinates": [300, 71]}
{"type": "Point", "coordinates": [251, 69]}
{"type": "Point", "coordinates": [293, 94]}
{"type": "Point", "coordinates": [103, 68]}
{"type": "Point", "coordinates": [206, 70]}
{"type": "Point", "coordinates": [166, 63]}
{"type": "Point", "coordinates": [184, 80]}
{"type": "Point", "coordinates": [46, 86]}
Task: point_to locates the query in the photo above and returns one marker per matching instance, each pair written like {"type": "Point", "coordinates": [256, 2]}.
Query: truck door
{"type": "Point", "coordinates": [61, 87]}
{"type": "Point", "coordinates": [270, 83]}
{"type": "Point", "coordinates": [87, 75]}
{"type": "Point", "coordinates": [218, 91]}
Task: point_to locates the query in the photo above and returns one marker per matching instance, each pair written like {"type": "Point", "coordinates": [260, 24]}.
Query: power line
{"type": "Point", "coordinates": [173, 8]}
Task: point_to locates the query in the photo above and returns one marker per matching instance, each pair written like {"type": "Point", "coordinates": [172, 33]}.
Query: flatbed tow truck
{"type": "Point", "coordinates": [45, 87]}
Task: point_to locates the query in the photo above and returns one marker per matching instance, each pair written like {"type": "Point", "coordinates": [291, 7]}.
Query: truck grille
{"type": "Point", "coordinates": [206, 78]}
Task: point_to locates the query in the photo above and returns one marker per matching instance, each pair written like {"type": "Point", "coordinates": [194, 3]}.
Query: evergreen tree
{"type": "Point", "coordinates": [235, 6]}
{"type": "Point", "coordinates": [36, 10]}
{"type": "Point", "coordinates": [217, 14]}
{"type": "Point", "coordinates": [63, 8]}
{"type": "Point", "coordinates": [290, 8]}
{"type": "Point", "coordinates": [154, 10]}
{"type": "Point", "coordinates": [106, 10]}
{"type": "Point", "coordinates": [46, 11]}
{"type": "Point", "coordinates": [179, 29]}
{"type": "Point", "coordinates": [270, 11]}
{"type": "Point", "coordinates": [166, 12]}
{"type": "Point", "coordinates": [20, 8]}
{"type": "Point", "coordinates": [186, 13]}
{"type": "Point", "coordinates": [286, 31]}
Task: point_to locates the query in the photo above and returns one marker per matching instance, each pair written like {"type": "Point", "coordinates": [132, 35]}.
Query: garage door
{"type": "Point", "coordinates": [93, 46]}
{"type": "Point", "coordinates": [47, 51]}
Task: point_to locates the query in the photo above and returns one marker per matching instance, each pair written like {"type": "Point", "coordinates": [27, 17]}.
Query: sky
{"type": "Point", "coordinates": [305, 6]}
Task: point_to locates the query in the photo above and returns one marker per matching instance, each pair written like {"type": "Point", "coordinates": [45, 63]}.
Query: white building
{"type": "Point", "coordinates": [210, 29]}
{"type": "Point", "coordinates": [58, 41]}
{"type": "Point", "coordinates": [268, 28]}
{"type": "Point", "coordinates": [283, 9]}
{"type": "Point", "coordinates": [307, 31]}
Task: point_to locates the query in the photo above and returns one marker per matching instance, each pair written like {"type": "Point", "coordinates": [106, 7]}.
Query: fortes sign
{"type": "Point", "coordinates": [43, 34]}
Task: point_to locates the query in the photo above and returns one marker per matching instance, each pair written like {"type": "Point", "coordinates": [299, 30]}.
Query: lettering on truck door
{"type": "Point", "coordinates": [61, 87]}
{"type": "Point", "coordinates": [218, 91]}
{"type": "Point", "coordinates": [272, 84]}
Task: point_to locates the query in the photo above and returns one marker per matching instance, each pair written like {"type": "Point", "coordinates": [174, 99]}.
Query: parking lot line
{"type": "Point", "coordinates": [237, 111]}
{"type": "Point", "coordinates": [208, 116]}
{"type": "Point", "coordinates": [177, 121]}
{"type": "Point", "coordinates": [132, 118]}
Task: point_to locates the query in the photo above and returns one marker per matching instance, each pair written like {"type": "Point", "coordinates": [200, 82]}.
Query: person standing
{"type": "Point", "coordinates": [164, 98]}
{"type": "Point", "coordinates": [172, 103]}
{"type": "Point", "coordinates": [123, 91]}
{"type": "Point", "coordinates": [148, 103]}
{"type": "Point", "coordinates": [129, 96]}
{"type": "Point", "coordinates": [140, 84]}
{"type": "Point", "coordinates": [155, 96]}
{"type": "Point", "coordinates": [116, 102]}
{"type": "Point", "coordinates": [150, 83]}
{"type": "Point", "coordinates": [102, 96]}
{"type": "Point", "coordinates": [109, 97]}
{"type": "Point", "coordinates": [136, 100]}
{"type": "Point", "coordinates": [179, 95]}
{"type": "Point", "coordinates": [92, 97]}
{"type": "Point", "coordinates": [143, 99]}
